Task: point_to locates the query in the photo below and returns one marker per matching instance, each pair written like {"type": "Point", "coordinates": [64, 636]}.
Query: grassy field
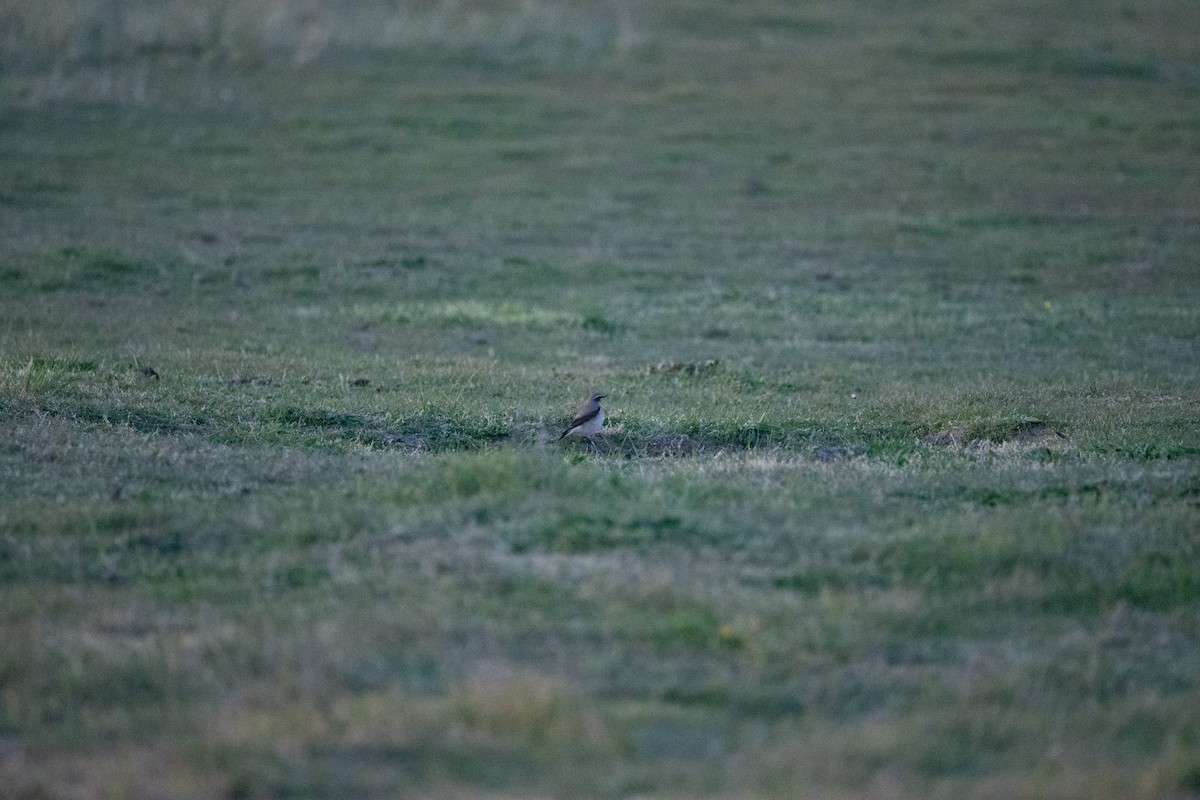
{"type": "Point", "coordinates": [896, 305]}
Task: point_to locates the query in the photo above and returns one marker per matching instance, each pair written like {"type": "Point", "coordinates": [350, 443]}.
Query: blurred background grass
{"type": "Point", "coordinates": [895, 302]}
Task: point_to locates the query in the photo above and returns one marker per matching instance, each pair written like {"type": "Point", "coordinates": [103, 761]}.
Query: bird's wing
{"type": "Point", "coordinates": [582, 417]}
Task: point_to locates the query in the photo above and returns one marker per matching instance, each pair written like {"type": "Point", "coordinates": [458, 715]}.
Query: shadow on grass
{"type": "Point", "coordinates": [436, 432]}
{"type": "Point", "coordinates": [426, 432]}
{"type": "Point", "coordinates": [677, 444]}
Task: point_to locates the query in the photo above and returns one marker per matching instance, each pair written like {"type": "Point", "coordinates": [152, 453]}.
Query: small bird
{"type": "Point", "coordinates": [588, 418]}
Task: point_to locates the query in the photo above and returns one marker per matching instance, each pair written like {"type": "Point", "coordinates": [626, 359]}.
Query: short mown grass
{"type": "Point", "coordinates": [899, 492]}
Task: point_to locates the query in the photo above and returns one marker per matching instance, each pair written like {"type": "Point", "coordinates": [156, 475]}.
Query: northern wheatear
{"type": "Point", "coordinates": [588, 418]}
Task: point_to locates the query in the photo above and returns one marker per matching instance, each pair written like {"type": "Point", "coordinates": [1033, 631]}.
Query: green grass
{"type": "Point", "coordinates": [896, 311]}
